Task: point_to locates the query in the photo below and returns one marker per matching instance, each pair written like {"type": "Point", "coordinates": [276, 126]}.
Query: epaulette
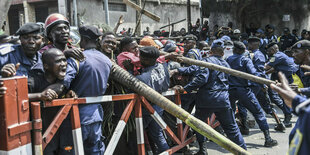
{"type": "Point", "coordinates": [6, 48]}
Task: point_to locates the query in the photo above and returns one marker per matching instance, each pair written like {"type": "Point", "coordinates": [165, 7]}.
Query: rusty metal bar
{"type": "Point", "coordinates": [53, 127]}
{"type": "Point", "coordinates": [37, 128]}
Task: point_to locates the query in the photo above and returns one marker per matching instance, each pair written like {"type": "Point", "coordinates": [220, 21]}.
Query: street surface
{"type": "Point", "coordinates": [255, 141]}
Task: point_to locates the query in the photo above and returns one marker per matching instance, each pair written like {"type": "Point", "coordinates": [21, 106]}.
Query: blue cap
{"type": "Point", "coordinates": [170, 47]}
{"type": "Point", "coordinates": [260, 31]}
{"type": "Point", "coordinates": [217, 43]}
{"type": "Point", "coordinates": [225, 38]}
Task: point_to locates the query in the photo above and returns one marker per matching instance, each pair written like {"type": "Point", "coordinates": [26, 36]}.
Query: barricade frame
{"type": "Point", "coordinates": [135, 103]}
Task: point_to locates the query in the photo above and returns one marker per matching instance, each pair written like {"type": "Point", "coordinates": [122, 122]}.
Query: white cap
{"type": "Point", "coordinates": [237, 31]}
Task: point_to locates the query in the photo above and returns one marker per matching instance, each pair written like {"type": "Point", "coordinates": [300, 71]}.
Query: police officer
{"type": "Point", "coordinates": [270, 36]}
{"type": "Point", "coordinates": [280, 62]}
{"type": "Point", "coordinates": [155, 75]}
{"type": "Point", "coordinates": [190, 51]}
{"type": "Point", "coordinates": [57, 31]}
{"type": "Point", "coordinates": [286, 40]}
{"type": "Point", "coordinates": [89, 78]}
{"type": "Point", "coordinates": [263, 41]}
{"type": "Point", "coordinates": [239, 90]}
{"type": "Point", "coordinates": [25, 54]}
{"type": "Point", "coordinates": [301, 55]}
{"type": "Point", "coordinates": [213, 97]}
{"type": "Point", "coordinates": [299, 138]}
{"type": "Point", "coordinates": [260, 90]}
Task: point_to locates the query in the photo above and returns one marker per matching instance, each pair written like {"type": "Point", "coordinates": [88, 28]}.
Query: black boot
{"type": "Point", "coordinates": [269, 142]}
{"type": "Point", "coordinates": [202, 149]}
{"type": "Point", "coordinates": [244, 128]}
{"type": "Point", "coordinates": [287, 120]}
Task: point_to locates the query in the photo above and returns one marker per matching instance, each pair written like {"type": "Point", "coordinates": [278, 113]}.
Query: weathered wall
{"type": "Point", "coordinates": [92, 13]}
{"type": "Point", "coordinates": [260, 12]}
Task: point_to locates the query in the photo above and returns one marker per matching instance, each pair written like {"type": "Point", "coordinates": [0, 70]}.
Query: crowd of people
{"type": "Point", "coordinates": [57, 69]}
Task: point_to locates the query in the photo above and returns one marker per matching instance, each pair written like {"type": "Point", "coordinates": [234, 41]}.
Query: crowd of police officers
{"type": "Point", "coordinates": [56, 69]}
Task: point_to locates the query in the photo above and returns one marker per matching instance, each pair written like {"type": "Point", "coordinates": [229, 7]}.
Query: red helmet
{"type": "Point", "coordinates": [54, 19]}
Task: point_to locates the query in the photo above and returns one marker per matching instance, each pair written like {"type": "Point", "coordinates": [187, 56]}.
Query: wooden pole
{"type": "Point", "coordinates": [226, 70]}
{"type": "Point", "coordinates": [123, 77]}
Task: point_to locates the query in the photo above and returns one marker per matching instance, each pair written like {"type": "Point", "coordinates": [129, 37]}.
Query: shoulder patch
{"type": "Point", "coordinates": [272, 59]}
{"type": "Point", "coordinates": [191, 55]}
{"type": "Point", "coordinates": [295, 143]}
{"type": "Point", "coordinates": [6, 48]}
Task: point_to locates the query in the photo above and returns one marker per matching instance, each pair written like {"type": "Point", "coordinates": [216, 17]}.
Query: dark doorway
{"type": "Point", "coordinates": [41, 13]}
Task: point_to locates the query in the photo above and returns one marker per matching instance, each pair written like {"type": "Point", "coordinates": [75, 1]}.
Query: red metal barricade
{"type": "Point", "coordinates": [15, 124]}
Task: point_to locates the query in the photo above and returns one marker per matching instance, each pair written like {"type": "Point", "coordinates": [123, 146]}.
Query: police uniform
{"type": "Point", "coordinates": [156, 77]}
{"type": "Point", "coordinates": [188, 100]}
{"type": "Point", "coordinates": [14, 53]}
{"type": "Point", "coordinates": [299, 137]}
{"type": "Point", "coordinates": [305, 89]}
{"type": "Point", "coordinates": [286, 41]}
{"type": "Point", "coordinates": [281, 63]}
{"type": "Point", "coordinates": [240, 90]}
{"type": "Point", "coordinates": [88, 79]}
{"type": "Point", "coordinates": [259, 60]}
{"type": "Point", "coordinates": [213, 97]}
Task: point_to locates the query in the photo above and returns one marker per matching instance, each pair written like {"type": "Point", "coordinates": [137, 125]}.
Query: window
{"type": "Point", "coordinates": [117, 5]}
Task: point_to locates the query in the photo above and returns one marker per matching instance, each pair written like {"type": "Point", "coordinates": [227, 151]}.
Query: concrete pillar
{"type": "Point", "coordinates": [29, 12]}
{"type": "Point", "coordinates": [62, 9]}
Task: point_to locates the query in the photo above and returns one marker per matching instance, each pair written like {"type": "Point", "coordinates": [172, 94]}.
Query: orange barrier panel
{"type": "Point", "coordinates": [15, 125]}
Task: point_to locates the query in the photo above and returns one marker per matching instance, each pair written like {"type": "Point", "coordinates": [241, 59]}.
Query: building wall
{"type": "Point", "coordinates": [91, 12]}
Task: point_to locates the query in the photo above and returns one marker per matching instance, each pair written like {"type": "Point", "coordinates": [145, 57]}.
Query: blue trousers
{"type": "Point", "coordinates": [93, 139]}
{"type": "Point", "coordinates": [188, 101]}
{"type": "Point", "coordinates": [246, 99]}
{"type": "Point", "coordinates": [154, 130]}
{"type": "Point", "coordinates": [227, 119]}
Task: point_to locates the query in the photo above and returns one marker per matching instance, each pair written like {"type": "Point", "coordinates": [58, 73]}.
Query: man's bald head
{"type": "Point", "coordinates": [49, 54]}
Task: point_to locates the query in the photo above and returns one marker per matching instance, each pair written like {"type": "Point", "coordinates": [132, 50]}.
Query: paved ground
{"type": "Point", "coordinates": [255, 141]}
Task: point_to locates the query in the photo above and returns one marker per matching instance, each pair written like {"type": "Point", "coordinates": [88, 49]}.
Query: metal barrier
{"type": "Point", "coordinates": [17, 124]}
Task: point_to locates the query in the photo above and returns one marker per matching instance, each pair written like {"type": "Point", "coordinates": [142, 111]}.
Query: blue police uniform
{"type": "Point", "coordinates": [89, 78]}
{"type": "Point", "coordinates": [213, 97]}
{"type": "Point", "coordinates": [188, 100]}
{"type": "Point", "coordinates": [240, 90]}
{"type": "Point", "coordinates": [264, 99]}
{"type": "Point", "coordinates": [300, 137]}
{"type": "Point", "coordinates": [258, 59]}
{"type": "Point", "coordinates": [194, 54]}
{"type": "Point", "coordinates": [156, 77]}
{"type": "Point", "coordinates": [14, 54]}
{"type": "Point", "coordinates": [282, 63]}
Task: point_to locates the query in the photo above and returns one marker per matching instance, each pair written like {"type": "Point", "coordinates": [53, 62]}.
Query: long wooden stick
{"type": "Point", "coordinates": [145, 12]}
{"type": "Point", "coordinates": [227, 70]}
{"type": "Point", "coordinates": [123, 77]}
